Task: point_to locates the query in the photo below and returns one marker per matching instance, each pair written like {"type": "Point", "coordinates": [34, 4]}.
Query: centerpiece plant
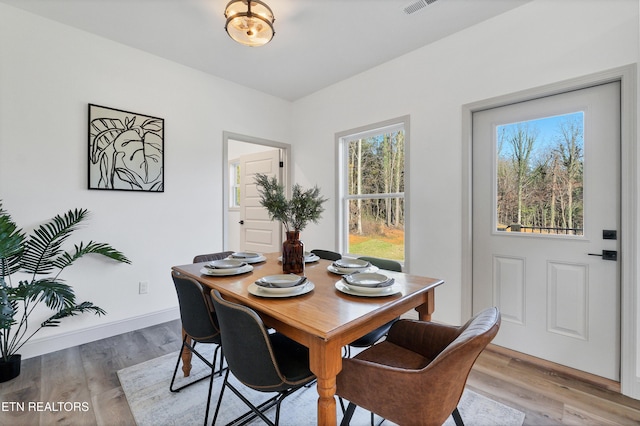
{"type": "Point", "coordinates": [295, 214]}
{"type": "Point", "coordinates": [30, 268]}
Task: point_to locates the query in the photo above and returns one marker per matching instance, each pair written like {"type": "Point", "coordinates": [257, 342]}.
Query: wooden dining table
{"type": "Point", "coordinates": [324, 319]}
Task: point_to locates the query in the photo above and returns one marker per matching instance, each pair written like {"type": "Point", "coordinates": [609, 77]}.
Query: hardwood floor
{"type": "Point", "coordinates": [86, 375]}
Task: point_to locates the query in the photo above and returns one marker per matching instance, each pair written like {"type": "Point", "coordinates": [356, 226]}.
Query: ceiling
{"type": "Point", "coordinates": [317, 42]}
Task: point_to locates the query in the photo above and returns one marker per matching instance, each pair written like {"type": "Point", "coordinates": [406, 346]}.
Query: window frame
{"type": "Point", "coordinates": [234, 185]}
{"type": "Point", "coordinates": [343, 198]}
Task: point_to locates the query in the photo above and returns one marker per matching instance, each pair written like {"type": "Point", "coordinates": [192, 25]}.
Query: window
{"type": "Point", "coordinates": [234, 184]}
{"type": "Point", "coordinates": [372, 190]}
{"type": "Point", "coordinates": [540, 176]}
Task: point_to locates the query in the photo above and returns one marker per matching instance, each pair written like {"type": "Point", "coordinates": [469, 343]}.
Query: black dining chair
{"type": "Point", "coordinates": [212, 256]}
{"type": "Point", "coordinates": [262, 361]}
{"type": "Point", "coordinates": [373, 336]}
{"type": "Point", "coordinates": [327, 254]}
{"type": "Point", "coordinates": [199, 323]}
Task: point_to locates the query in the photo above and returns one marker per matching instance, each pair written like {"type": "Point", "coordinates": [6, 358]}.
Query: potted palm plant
{"type": "Point", "coordinates": [295, 214]}
{"type": "Point", "coordinates": [30, 267]}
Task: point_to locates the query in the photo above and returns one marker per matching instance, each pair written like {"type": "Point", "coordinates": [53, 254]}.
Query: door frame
{"type": "Point", "coordinates": [286, 172]}
{"type": "Point", "coordinates": [627, 76]}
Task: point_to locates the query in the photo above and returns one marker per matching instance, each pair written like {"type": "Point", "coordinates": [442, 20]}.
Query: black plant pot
{"type": "Point", "coordinates": [10, 369]}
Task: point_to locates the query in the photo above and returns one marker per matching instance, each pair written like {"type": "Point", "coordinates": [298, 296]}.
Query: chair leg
{"type": "Point", "coordinates": [457, 418]}
{"type": "Point", "coordinates": [346, 419]}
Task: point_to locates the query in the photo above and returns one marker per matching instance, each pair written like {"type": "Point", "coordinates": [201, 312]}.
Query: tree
{"type": "Point", "coordinates": [521, 139]}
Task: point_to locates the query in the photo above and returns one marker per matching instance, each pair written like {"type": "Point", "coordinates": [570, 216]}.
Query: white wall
{"type": "Point", "coordinates": [48, 74]}
{"type": "Point", "coordinates": [540, 43]}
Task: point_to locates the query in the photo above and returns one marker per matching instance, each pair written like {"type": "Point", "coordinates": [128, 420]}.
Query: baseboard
{"type": "Point", "coordinates": [46, 345]}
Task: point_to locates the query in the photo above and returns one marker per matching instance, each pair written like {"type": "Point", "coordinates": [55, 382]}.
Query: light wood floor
{"type": "Point", "coordinates": [546, 393]}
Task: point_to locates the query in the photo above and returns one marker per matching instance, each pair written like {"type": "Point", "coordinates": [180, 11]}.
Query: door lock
{"type": "Point", "coordinates": [607, 254]}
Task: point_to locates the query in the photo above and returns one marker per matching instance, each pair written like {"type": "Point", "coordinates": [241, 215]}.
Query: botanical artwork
{"type": "Point", "coordinates": [126, 150]}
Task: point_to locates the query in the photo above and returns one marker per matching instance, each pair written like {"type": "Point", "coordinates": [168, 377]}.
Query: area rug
{"type": "Point", "coordinates": [146, 387]}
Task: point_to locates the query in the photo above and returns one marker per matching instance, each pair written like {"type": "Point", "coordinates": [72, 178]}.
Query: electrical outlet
{"type": "Point", "coordinates": [143, 287]}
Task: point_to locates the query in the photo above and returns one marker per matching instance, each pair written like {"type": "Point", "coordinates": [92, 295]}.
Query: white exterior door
{"type": "Point", "coordinates": [258, 233]}
{"type": "Point", "coordinates": [559, 300]}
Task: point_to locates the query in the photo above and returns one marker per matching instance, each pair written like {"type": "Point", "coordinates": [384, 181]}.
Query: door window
{"type": "Point", "coordinates": [539, 176]}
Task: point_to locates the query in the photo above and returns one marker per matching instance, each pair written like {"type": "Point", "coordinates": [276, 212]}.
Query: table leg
{"type": "Point", "coordinates": [186, 355]}
{"type": "Point", "coordinates": [426, 309]}
{"type": "Point", "coordinates": [325, 360]}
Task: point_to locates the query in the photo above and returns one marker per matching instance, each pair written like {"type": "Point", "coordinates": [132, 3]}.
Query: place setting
{"type": "Point", "coordinates": [308, 257]}
{"type": "Point", "coordinates": [350, 265]}
{"type": "Point", "coordinates": [281, 285]}
{"type": "Point", "coordinates": [248, 257]}
{"type": "Point", "coordinates": [366, 284]}
{"type": "Point", "coordinates": [225, 267]}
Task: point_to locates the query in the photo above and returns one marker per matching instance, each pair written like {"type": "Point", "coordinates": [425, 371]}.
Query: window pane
{"type": "Point", "coordinates": [376, 227]}
{"type": "Point", "coordinates": [540, 175]}
{"type": "Point", "coordinates": [376, 164]}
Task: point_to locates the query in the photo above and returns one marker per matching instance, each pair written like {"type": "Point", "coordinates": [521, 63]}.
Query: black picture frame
{"type": "Point", "coordinates": [126, 150]}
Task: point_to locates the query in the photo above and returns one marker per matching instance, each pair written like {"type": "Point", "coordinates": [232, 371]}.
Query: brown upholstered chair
{"type": "Point", "coordinates": [417, 375]}
{"type": "Point", "coordinates": [212, 256]}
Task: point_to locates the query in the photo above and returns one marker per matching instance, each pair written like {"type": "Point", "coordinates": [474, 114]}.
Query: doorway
{"type": "Point", "coordinates": [260, 156]}
{"type": "Point", "coordinates": [627, 256]}
{"type": "Point", "coordinates": [546, 200]}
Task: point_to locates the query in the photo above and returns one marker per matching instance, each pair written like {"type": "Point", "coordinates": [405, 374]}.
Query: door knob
{"type": "Point", "coordinates": [606, 254]}
{"type": "Point", "coordinates": [241, 222]}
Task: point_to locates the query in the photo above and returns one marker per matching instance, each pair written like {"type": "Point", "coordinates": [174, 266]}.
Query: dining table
{"type": "Point", "coordinates": [324, 319]}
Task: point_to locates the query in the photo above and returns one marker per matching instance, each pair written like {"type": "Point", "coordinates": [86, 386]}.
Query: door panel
{"type": "Point", "coordinates": [558, 302]}
{"type": "Point", "coordinates": [258, 232]}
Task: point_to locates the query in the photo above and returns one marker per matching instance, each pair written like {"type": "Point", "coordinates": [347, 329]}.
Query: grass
{"type": "Point", "coordinates": [389, 244]}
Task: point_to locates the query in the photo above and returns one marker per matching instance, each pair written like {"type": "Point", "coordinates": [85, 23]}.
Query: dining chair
{"type": "Point", "coordinates": [262, 361]}
{"type": "Point", "coordinates": [199, 323]}
{"type": "Point", "coordinates": [327, 254]}
{"type": "Point", "coordinates": [416, 376]}
{"type": "Point", "coordinates": [374, 336]}
{"type": "Point", "coordinates": [212, 256]}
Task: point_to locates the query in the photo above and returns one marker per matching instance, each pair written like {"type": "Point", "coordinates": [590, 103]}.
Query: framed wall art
{"type": "Point", "coordinates": [126, 150]}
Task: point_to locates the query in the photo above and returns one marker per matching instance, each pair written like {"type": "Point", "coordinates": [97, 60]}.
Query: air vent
{"type": "Point", "coordinates": [416, 6]}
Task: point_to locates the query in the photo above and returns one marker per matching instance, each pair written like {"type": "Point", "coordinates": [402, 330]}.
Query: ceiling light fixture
{"type": "Point", "coordinates": [249, 22]}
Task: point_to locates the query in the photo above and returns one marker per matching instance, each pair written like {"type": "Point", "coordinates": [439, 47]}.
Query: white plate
{"type": "Point", "coordinates": [228, 271]}
{"type": "Point", "coordinates": [341, 271]}
{"type": "Point", "coordinates": [308, 258]}
{"type": "Point", "coordinates": [347, 263]}
{"type": "Point", "coordinates": [253, 259]}
{"type": "Point", "coordinates": [227, 263]}
{"type": "Point", "coordinates": [367, 279]}
{"type": "Point", "coordinates": [364, 291]}
{"type": "Point", "coordinates": [283, 283]}
{"type": "Point", "coordinates": [256, 290]}
{"type": "Point", "coordinates": [244, 255]}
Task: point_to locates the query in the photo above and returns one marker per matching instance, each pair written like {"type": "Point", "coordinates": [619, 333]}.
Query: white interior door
{"type": "Point", "coordinates": [257, 232]}
{"type": "Point", "coordinates": [558, 300]}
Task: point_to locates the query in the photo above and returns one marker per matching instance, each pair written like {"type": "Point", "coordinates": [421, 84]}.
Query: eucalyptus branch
{"type": "Point", "coordinates": [295, 214]}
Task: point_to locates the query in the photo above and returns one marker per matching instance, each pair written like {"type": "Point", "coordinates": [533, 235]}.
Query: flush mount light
{"type": "Point", "coordinates": [249, 22]}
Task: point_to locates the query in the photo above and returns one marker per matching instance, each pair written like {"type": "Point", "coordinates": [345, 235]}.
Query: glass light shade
{"type": "Point", "coordinates": [249, 22]}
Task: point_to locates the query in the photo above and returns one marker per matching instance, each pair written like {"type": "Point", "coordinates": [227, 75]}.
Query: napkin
{"type": "Point", "coordinates": [262, 283]}
{"type": "Point", "coordinates": [386, 283]}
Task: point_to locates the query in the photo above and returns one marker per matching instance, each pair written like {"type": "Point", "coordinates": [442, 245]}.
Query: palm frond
{"type": "Point", "coordinates": [70, 311]}
{"type": "Point", "coordinates": [66, 259]}
{"type": "Point", "coordinates": [11, 245]}
{"type": "Point", "coordinates": [7, 309]}
{"type": "Point", "coordinates": [44, 244]}
{"type": "Point", "coordinates": [54, 293]}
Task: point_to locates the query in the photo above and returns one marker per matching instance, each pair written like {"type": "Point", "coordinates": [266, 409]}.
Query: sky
{"type": "Point", "coordinates": [547, 128]}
